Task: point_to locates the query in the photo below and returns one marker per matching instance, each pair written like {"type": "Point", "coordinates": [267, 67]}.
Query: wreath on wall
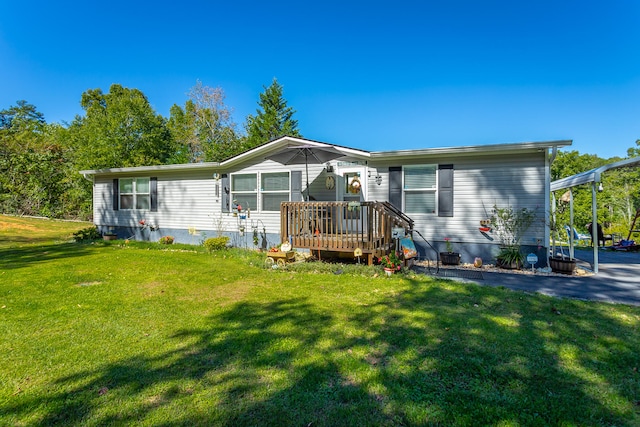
{"type": "Point", "coordinates": [355, 185]}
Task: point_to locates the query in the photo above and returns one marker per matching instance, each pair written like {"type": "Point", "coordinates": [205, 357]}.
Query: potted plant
{"type": "Point", "coordinates": [390, 263]}
{"type": "Point", "coordinates": [166, 240]}
{"type": "Point", "coordinates": [109, 236]}
{"type": "Point", "coordinates": [449, 257]}
{"type": "Point", "coordinates": [510, 225]}
{"type": "Point", "coordinates": [559, 264]}
{"type": "Point", "coordinates": [510, 257]}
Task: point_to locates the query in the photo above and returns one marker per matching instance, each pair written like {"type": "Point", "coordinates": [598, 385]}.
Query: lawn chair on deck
{"type": "Point", "coordinates": [577, 237]}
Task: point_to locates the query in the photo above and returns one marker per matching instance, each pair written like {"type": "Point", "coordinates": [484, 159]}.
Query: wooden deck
{"type": "Point", "coordinates": [342, 226]}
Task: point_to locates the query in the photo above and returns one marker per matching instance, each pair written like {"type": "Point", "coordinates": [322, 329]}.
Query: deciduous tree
{"type": "Point", "coordinates": [119, 129]}
{"type": "Point", "coordinates": [204, 129]}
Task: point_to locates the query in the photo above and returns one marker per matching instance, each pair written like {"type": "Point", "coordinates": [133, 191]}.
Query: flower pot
{"type": "Point", "coordinates": [109, 237]}
{"type": "Point", "coordinates": [450, 258]}
{"type": "Point", "coordinates": [389, 271]}
{"type": "Point", "coordinates": [561, 265]}
{"type": "Point", "coordinates": [513, 265]}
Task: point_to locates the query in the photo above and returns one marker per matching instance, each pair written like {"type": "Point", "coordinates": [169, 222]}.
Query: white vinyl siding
{"type": "Point", "coordinates": [134, 193]}
{"type": "Point", "coordinates": [275, 189]}
{"type": "Point", "coordinates": [482, 181]}
{"type": "Point", "coordinates": [420, 188]}
{"type": "Point", "coordinates": [191, 199]}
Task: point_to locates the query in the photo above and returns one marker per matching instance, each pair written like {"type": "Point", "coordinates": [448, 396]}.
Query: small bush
{"type": "Point", "coordinates": [166, 240]}
{"type": "Point", "coordinates": [89, 233]}
{"type": "Point", "coordinates": [216, 243]}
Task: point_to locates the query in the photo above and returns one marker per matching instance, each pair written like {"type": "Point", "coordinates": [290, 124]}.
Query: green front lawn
{"type": "Point", "coordinates": [144, 334]}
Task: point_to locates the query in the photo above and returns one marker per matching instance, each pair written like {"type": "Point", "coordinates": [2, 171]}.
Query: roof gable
{"type": "Point", "coordinates": [278, 144]}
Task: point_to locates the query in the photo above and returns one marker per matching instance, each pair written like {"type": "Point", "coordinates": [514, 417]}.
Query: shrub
{"type": "Point", "coordinates": [216, 243]}
{"type": "Point", "coordinates": [89, 233]}
{"type": "Point", "coordinates": [510, 224]}
{"type": "Point", "coordinates": [166, 240]}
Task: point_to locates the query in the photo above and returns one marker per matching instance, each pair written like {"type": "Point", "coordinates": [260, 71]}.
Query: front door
{"type": "Point", "coordinates": [353, 189]}
{"type": "Point", "coordinates": [353, 186]}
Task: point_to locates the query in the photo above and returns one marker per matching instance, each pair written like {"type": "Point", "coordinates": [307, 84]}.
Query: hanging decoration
{"type": "Point", "coordinates": [330, 182]}
{"type": "Point", "coordinates": [354, 185]}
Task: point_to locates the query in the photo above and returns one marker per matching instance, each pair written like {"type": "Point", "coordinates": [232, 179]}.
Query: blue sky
{"type": "Point", "coordinates": [372, 75]}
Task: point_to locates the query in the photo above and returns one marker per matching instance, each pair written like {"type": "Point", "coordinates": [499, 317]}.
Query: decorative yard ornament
{"type": "Point", "coordinates": [357, 253]}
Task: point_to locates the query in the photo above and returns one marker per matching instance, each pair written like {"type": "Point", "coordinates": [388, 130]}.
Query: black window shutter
{"type": "Point", "coordinates": [224, 180]}
{"type": "Point", "coordinates": [296, 186]}
{"type": "Point", "coordinates": [153, 193]}
{"type": "Point", "coordinates": [395, 186]}
{"type": "Point", "coordinates": [116, 194]}
{"type": "Point", "coordinates": [445, 190]}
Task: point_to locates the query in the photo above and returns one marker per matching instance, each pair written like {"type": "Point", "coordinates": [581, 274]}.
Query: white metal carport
{"type": "Point", "coordinates": [593, 177]}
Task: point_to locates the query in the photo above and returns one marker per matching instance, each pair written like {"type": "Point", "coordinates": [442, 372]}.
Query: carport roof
{"type": "Point", "coordinates": [592, 175]}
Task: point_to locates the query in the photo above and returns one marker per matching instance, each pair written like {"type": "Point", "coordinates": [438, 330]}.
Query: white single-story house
{"type": "Point", "coordinates": [258, 200]}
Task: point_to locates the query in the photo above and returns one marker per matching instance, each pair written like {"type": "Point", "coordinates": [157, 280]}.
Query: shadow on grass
{"type": "Point", "coordinates": [23, 256]}
{"type": "Point", "coordinates": [425, 356]}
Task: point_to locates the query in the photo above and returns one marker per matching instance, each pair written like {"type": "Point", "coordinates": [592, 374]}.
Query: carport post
{"type": "Point", "coordinates": [571, 242]}
{"type": "Point", "coordinates": [594, 226]}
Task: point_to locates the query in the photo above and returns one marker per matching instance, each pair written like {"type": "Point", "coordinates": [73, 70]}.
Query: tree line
{"type": "Point", "coordinates": [39, 161]}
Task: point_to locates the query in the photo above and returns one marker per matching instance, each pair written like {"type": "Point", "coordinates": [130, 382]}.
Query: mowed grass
{"type": "Point", "coordinates": [143, 334]}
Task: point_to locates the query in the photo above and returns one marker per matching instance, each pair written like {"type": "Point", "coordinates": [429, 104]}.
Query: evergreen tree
{"type": "Point", "coordinates": [273, 119]}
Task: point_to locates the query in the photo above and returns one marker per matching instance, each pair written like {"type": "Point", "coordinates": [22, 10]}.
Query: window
{"type": "Point", "coordinates": [244, 190]}
{"type": "Point", "coordinates": [420, 188]}
{"type": "Point", "coordinates": [274, 189]}
{"type": "Point", "coordinates": [134, 193]}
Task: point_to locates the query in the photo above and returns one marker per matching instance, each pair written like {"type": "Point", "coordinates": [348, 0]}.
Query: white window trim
{"type": "Point", "coordinates": [233, 193]}
{"type": "Point", "coordinates": [135, 193]}
{"type": "Point", "coordinates": [262, 191]}
{"type": "Point", "coordinates": [433, 189]}
{"type": "Point", "coordinates": [258, 192]}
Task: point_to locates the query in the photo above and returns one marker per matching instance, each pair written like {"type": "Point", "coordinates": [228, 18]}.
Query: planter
{"type": "Point", "coordinates": [513, 265]}
{"type": "Point", "coordinates": [450, 258]}
{"type": "Point", "coordinates": [389, 271]}
{"type": "Point", "coordinates": [562, 265]}
{"type": "Point", "coordinates": [109, 237]}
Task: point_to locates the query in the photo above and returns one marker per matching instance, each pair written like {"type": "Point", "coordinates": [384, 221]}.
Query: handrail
{"type": "Point", "coordinates": [341, 226]}
{"type": "Point", "coordinates": [388, 206]}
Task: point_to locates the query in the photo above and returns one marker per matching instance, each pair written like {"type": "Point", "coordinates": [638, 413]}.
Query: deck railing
{"type": "Point", "coordinates": [341, 226]}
